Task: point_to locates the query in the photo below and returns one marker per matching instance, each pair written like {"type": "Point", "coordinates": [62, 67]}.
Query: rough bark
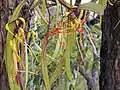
{"type": "Point", "coordinates": [3, 20]}
{"type": "Point", "coordinates": [110, 48]}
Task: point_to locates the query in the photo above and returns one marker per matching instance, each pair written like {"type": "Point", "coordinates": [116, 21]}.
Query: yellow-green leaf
{"type": "Point", "coordinates": [36, 3]}
{"type": "Point", "coordinates": [8, 51]}
{"type": "Point", "coordinates": [44, 65]}
{"type": "Point", "coordinates": [102, 2]}
{"type": "Point", "coordinates": [40, 14]}
{"type": "Point", "coordinates": [57, 48]}
{"type": "Point", "coordinates": [97, 8]}
{"type": "Point", "coordinates": [17, 11]}
{"type": "Point", "coordinates": [56, 72]}
{"type": "Point", "coordinates": [67, 54]}
{"type": "Point", "coordinates": [43, 8]}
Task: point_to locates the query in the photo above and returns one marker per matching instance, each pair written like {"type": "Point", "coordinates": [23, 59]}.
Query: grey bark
{"type": "Point", "coordinates": [110, 48]}
{"type": "Point", "coordinates": [3, 20]}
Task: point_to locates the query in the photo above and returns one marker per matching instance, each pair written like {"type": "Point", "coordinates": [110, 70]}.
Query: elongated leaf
{"type": "Point", "coordinates": [26, 59]}
{"type": "Point", "coordinates": [57, 9]}
{"type": "Point", "coordinates": [44, 65]}
{"type": "Point", "coordinates": [57, 49]}
{"type": "Point", "coordinates": [102, 2]}
{"type": "Point", "coordinates": [56, 72]}
{"type": "Point", "coordinates": [67, 54]}
{"type": "Point", "coordinates": [36, 3]}
{"type": "Point", "coordinates": [64, 3]}
{"type": "Point", "coordinates": [9, 61]}
{"type": "Point", "coordinates": [17, 11]}
{"type": "Point", "coordinates": [66, 59]}
{"type": "Point", "coordinates": [8, 51]}
{"type": "Point", "coordinates": [98, 8]}
{"type": "Point", "coordinates": [43, 8]}
{"type": "Point", "coordinates": [40, 14]}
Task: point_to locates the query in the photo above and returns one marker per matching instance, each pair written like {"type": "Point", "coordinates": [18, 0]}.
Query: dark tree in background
{"type": "Point", "coordinates": [4, 9]}
{"type": "Point", "coordinates": [110, 48]}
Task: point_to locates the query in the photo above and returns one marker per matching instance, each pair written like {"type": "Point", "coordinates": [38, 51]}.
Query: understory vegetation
{"type": "Point", "coordinates": [56, 48]}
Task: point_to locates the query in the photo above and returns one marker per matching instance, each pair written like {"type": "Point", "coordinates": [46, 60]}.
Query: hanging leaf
{"type": "Point", "coordinates": [35, 4]}
{"type": "Point", "coordinates": [103, 3]}
{"type": "Point", "coordinates": [17, 11]}
{"type": "Point", "coordinates": [97, 8]}
{"type": "Point", "coordinates": [57, 48]}
{"type": "Point", "coordinates": [26, 58]}
{"type": "Point", "coordinates": [9, 51]}
{"type": "Point", "coordinates": [43, 8]}
{"type": "Point", "coordinates": [67, 54]}
{"type": "Point", "coordinates": [56, 72]}
{"type": "Point", "coordinates": [40, 14]}
{"type": "Point", "coordinates": [64, 3]}
{"type": "Point", "coordinates": [44, 65]}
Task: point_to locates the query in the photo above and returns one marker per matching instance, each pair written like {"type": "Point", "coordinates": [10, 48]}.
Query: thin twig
{"type": "Point", "coordinates": [91, 42]}
{"type": "Point", "coordinates": [117, 24]}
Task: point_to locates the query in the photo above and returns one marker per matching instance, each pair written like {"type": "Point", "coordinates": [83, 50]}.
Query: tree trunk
{"type": "Point", "coordinates": [110, 48]}
{"type": "Point", "coordinates": [3, 20]}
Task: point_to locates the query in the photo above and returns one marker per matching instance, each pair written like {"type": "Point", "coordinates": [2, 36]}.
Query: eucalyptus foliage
{"type": "Point", "coordinates": [61, 53]}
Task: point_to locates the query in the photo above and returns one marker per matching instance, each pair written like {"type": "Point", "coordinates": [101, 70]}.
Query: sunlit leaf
{"type": "Point", "coordinates": [67, 54]}
{"type": "Point", "coordinates": [26, 58]}
{"type": "Point", "coordinates": [8, 51]}
{"type": "Point", "coordinates": [98, 8]}
{"type": "Point", "coordinates": [35, 3]}
{"type": "Point", "coordinates": [103, 3]}
{"type": "Point", "coordinates": [17, 11]}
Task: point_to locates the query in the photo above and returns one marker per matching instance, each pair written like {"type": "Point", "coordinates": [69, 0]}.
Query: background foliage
{"type": "Point", "coordinates": [61, 50]}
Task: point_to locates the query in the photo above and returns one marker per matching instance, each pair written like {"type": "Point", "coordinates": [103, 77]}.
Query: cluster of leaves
{"type": "Point", "coordinates": [84, 56]}
{"type": "Point", "coordinates": [60, 50]}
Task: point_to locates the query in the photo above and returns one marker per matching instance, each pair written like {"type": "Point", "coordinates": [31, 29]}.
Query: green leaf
{"type": "Point", "coordinates": [102, 2]}
{"type": "Point", "coordinates": [40, 14]}
{"type": "Point", "coordinates": [44, 65]}
{"type": "Point", "coordinates": [97, 8]}
{"type": "Point", "coordinates": [66, 59]}
{"type": "Point", "coordinates": [57, 48]}
{"type": "Point", "coordinates": [36, 3]}
{"type": "Point", "coordinates": [8, 51]}
{"type": "Point", "coordinates": [17, 11]}
{"type": "Point", "coordinates": [26, 58]}
{"type": "Point", "coordinates": [56, 72]}
{"type": "Point", "coordinates": [43, 8]}
{"type": "Point", "coordinates": [9, 61]}
{"type": "Point", "coordinates": [67, 54]}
